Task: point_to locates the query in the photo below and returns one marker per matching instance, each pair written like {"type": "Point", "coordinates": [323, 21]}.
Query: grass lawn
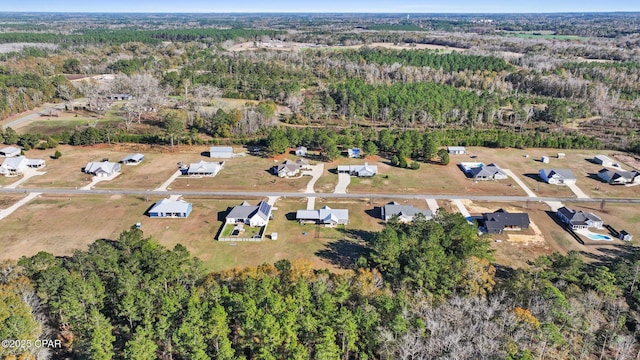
{"type": "Point", "coordinates": [8, 199]}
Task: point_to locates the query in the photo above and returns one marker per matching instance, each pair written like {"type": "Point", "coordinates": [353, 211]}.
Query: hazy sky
{"type": "Point", "coordinates": [398, 6]}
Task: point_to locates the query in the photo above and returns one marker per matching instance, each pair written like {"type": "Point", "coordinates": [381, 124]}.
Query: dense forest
{"type": "Point", "coordinates": [426, 290]}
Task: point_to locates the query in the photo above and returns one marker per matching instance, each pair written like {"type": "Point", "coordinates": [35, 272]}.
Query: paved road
{"type": "Point", "coordinates": [52, 191]}
{"type": "Point", "coordinates": [31, 116]}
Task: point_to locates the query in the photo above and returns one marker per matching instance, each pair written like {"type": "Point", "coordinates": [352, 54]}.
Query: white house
{"type": "Point", "coordinates": [247, 214]}
{"type": "Point", "coordinates": [289, 168]}
{"type": "Point", "coordinates": [13, 166]}
{"type": "Point", "coordinates": [456, 150]}
{"type": "Point", "coordinates": [221, 152]}
{"type": "Point", "coordinates": [619, 177]}
{"type": "Point", "coordinates": [557, 176]}
{"type": "Point", "coordinates": [480, 171]}
{"type": "Point", "coordinates": [301, 151]}
{"type": "Point", "coordinates": [603, 160]}
{"type": "Point", "coordinates": [102, 169]}
{"type": "Point", "coordinates": [326, 216]}
{"type": "Point", "coordinates": [203, 168]}
{"type": "Point", "coordinates": [405, 213]}
{"type": "Point", "coordinates": [365, 170]}
{"type": "Point", "coordinates": [167, 208]}
{"type": "Point", "coordinates": [10, 151]}
{"type": "Point", "coordinates": [132, 159]}
{"type": "Point", "coordinates": [354, 153]}
{"type": "Point", "coordinates": [578, 219]}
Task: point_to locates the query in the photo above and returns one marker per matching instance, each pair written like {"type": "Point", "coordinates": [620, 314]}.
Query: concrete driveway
{"type": "Point", "coordinates": [577, 191]}
{"type": "Point", "coordinates": [315, 172]}
{"type": "Point", "coordinates": [343, 181]}
{"type": "Point", "coordinates": [520, 183]}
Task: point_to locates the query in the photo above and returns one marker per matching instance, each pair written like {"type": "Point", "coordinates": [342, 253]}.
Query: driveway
{"type": "Point", "coordinates": [433, 205]}
{"type": "Point", "coordinates": [576, 190]}
{"type": "Point", "coordinates": [315, 172]}
{"type": "Point", "coordinates": [343, 181]}
{"type": "Point", "coordinates": [28, 173]}
{"type": "Point", "coordinates": [166, 184]}
{"type": "Point", "coordinates": [520, 183]}
{"type": "Point", "coordinates": [8, 211]}
{"type": "Point", "coordinates": [463, 210]}
{"type": "Point", "coordinates": [97, 179]}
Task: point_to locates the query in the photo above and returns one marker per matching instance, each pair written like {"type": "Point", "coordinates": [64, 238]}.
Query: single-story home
{"type": "Point", "coordinates": [365, 170]}
{"type": "Point", "coordinates": [501, 220]}
{"type": "Point", "coordinates": [301, 151]}
{"type": "Point", "coordinates": [133, 159]}
{"type": "Point", "coordinates": [13, 166]}
{"type": "Point", "coordinates": [10, 151]}
{"type": "Point", "coordinates": [405, 213]}
{"type": "Point", "coordinates": [203, 168]}
{"type": "Point", "coordinates": [325, 215]}
{"type": "Point", "coordinates": [221, 152]}
{"type": "Point", "coordinates": [289, 168]}
{"type": "Point", "coordinates": [168, 208]}
{"type": "Point", "coordinates": [579, 219]}
{"type": "Point", "coordinates": [616, 177]}
{"type": "Point", "coordinates": [120, 97]}
{"type": "Point", "coordinates": [623, 235]}
{"type": "Point", "coordinates": [247, 214]}
{"type": "Point", "coordinates": [102, 168]}
{"type": "Point", "coordinates": [456, 150]}
{"type": "Point", "coordinates": [480, 171]}
{"type": "Point", "coordinates": [603, 160]}
{"type": "Point", "coordinates": [353, 153]}
{"type": "Point", "coordinates": [557, 176]}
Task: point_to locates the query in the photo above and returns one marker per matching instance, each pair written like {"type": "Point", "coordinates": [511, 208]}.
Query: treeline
{"type": "Point", "coordinates": [22, 91]}
{"type": "Point", "coordinates": [427, 58]}
{"type": "Point", "coordinates": [153, 37]}
{"type": "Point", "coordinates": [426, 290]}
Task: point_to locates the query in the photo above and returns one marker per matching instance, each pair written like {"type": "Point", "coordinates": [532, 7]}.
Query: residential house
{"type": "Point", "coordinates": [13, 166]}
{"type": "Point", "coordinates": [301, 151]}
{"type": "Point", "coordinates": [579, 219]}
{"type": "Point", "coordinates": [289, 168]}
{"type": "Point", "coordinates": [203, 168]}
{"type": "Point", "coordinates": [168, 208]}
{"type": "Point", "coordinates": [501, 220]}
{"type": "Point", "coordinates": [619, 177]}
{"type": "Point", "coordinates": [623, 235]}
{"type": "Point", "coordinates": [102, 168]}
{"type": "Point", "coordinates": [133, 159]}
{"type": "Point", "coordinates": [247, 214]}
{"type": "Point", "coordinates": [365, 170]}
{"type": "Point", "coordinates": [325, 216]}
{"type": "Point", "coordinates": [557, 176]}
{"type": "Point", "coordinates": [480, 171]}
{"type": "Point", "coordinates": [10, 151]}
{"type": "Point", "coordinates": [221, 152]}
{"type": "Point", "coordinates": [603, 160]}
{"type": "Point", "coordinates": [354, 153]}
{"type": "Point", "coordinates": [456, 150]}
{"type": "Point", "coordinates": [405, 213]}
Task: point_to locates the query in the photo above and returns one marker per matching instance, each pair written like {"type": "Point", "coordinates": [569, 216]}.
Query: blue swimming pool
{"type": "Point", "coordinates": [594, 236]}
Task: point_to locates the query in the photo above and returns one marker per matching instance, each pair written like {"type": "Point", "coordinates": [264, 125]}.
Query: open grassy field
{"type": "Point", "coordinates": [249, 173]}
{"type": "Point", "coordinates": [429, 179]}
{"type": "Point", "coordinates": [527, 169]}
{"type": "Point", "coordinates": [9, 199]}
{"type": "Point", "coordinates": [68, 121]}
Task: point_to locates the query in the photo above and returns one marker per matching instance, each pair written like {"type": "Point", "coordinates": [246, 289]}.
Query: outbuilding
{"type": "Point", "coordinates": [221, 152]}
{"type": "Point", "coordinates": [10, 151]}
{"type": "Point", "coordinates": [456, 150]}
{"type": "Point", "coordinates": [603, 160]}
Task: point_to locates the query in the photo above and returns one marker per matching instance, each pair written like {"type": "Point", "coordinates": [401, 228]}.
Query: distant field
{"type": "Point", "coordinates": [544, 35]}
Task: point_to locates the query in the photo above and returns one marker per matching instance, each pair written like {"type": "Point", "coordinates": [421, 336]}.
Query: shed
{"type": "Point", "coordinates": [10, 151]}
{"type": "Point", "coordinates": [221, 152]}
{"type": "Point", "coordinates": [301, 151]}
{"type": "Point", "coordinates": [274, 236]}
{"type": "Point", "coordinates": [456, 150]}
{"type": "Point", "coordinates": [623, 235]}
{"type": "Point", "coordinates": [561, 155]}
{"type": "Point", "coordinates": [544, 159]}
{"type": "Point", "coordinates": [603, 160]}
{"type": "Point", "coordinates": [353, 153]}
{"type": "Point", "coordinates": [133, 159]}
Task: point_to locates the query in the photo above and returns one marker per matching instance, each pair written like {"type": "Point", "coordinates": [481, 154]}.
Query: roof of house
{"type": "Point", "coordinates": [35, 162]}
{"type": "Point", "coordinates": [14, 163]}
{"type": "Point", "coordinates": [324, 214]}
{"type": "Point", "coordinates": [170, 206]}
{"type": "Point", "coordinates": [353, 151]}
{"type": "Point", "coordinates": [502, 218]}
{"type": "Point", "coordinates": [106, 166]}
{"type": "Point", "coordinates": [359, 168]}
{"type": "Point", "coordinates": [456, 148]}
{"type": "Point", "coordinates": [289, 165]}
{"type": "Point", "coordinates": [486, 170]}
{"type": "Point", "coordinates": [301, 148]}
{"type": "Point", "coordinates": [9, 150]}
{"type": "Point", "coordinates": [561, 173]}
{"type": "Point", "coordinates": [394, 208]}
{"type": "Point", "coordinates": [245, 211]}
{"type": "Point", "coordinates": [578, 217]}
{"type": "Point", "coordinates": [611, 175]}
{"type": "Point", "coordinates": [133, 157]}
{"type": "Point", "coordinates": [204, 167]}
{"type": "Point", "coordinates": [221, 149]}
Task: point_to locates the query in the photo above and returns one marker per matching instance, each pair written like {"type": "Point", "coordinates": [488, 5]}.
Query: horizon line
{"type": "Point", "coordinates": [315, 12]}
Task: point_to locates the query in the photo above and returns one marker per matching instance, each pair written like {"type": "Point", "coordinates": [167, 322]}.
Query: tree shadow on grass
{"type": "Point", "coordinates": [608, 256]}
{"type": "Point", "coordinates": [343, 253]}
{"type": "Point", "coordinates": [359, 234]}
{"type": "Point", "coordinates": [557, 220]}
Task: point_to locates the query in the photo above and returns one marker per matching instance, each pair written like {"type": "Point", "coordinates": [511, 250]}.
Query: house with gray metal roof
{"type": "Point", "coordinates": [579, 219]}
{"type": "Point", "coordinates": [501, 220]}
{"type": "Point", "coordinates": [221, 152]}
{"type": "Point", "coordinates": [289, 168]}
{"type": "Point", "coordinates": [203, 168]}
{"type": "Point", "coordinates": [480, 171]}
{"type": "Point", "coordinates": [405, 213]}
{"type": "Point", "coordinates": [325, 215]}
{"type": "Point", "coordinates": [248, 214]}
{"type": "Point", "coordinates": [168, 208]}
{"type": "Point", "coordinates": [10, 151]}
{"type": "Point", "coordinates": [365, 170]}
{"type": "Point", "coordinates": [557, 176]}
{"type": "Point", "coordinates": [132, 159]}
{"type": "Point", "coordinates": [616, 177]}
{"type": "Point", "coordinates": [102, 168]}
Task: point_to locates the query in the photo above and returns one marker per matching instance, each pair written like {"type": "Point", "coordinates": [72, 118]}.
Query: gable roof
{"type": "Point", "coordinates": [565, 174]}
{"type": "Point", "coordinates": [373, 169]}
{"type": "Point", "coordinates": [613, 175]}
{"type": "Point", "coordinates": [102, 166]}
{"type": "Point", "coordinates": [170, 206]}
{"type": "Point", "coordinates": [137, 157]}
{"type": "Point", "coordinates": [10, 150]}
{"type": "Point", "coordinates": [204, 167]}
{"type": "Point", "coordinates": [490, 170]}
{"type": "Point", "coordinates": [353, 152]}
{"type": "Point", "coordinates": [578, 217]}
{"type": "Point", "coordinates": [324, 215]}
{"type": "Point", "coordinates": [456, 148]}
{"type": "Point", "coordinates": [221, 149]}
{"type": "Point", "coordinates": [394, 208]}
{"type": "Point", "coordinates": [246, 211]}
{"type": "Point", "coordinates": [501, 218]}
{"type": "Point", "coordinates": [15, 163]}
